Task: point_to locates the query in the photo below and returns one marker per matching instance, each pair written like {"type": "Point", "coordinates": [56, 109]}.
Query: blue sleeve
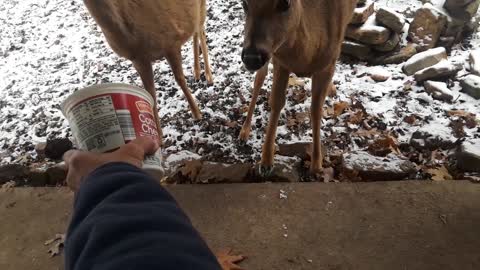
{"type": "Point", "coordinates": [124, 219]}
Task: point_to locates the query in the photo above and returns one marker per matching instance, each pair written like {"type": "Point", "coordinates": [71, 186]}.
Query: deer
{"type": "Point", "coordinates": [145, 31]}
{"type": "Point", "coordinates": [303, 37]}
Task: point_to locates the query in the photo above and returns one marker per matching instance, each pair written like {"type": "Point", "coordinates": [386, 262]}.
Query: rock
{"type": "Point", "coordinates": [391, 19]}
{"type": "Point", "coordinates": [401, 56]}
{"type": "Point", "coordinates": [427, 137]}
{"type": "Point", "coordinates": [212, 172]}
{"type": "Point", "coordinates": [362, 13]}
{"type": "Point", "coordinates": [286, 169]}
{"type": "Point", "coordinates": [379, 74]}
{"type": "Point", "coordinates": [10, 172]}
{"type": "Point", "coordinates": [301, 150]}
{"type": "Point", "coordinates": [57, 174]}
{"type": "Point", "coordinates": [55, 148]}
{"type": "Point", "coordinates": [369, 33]}
{"type": "Point", "coordinates": [439, 90]}
{"type": "Point", "coordinates": [40, 149]}
{"type": "Point", "coordinates": [468, 156]}
{"type": "Point", "coordinates": [37, 176]}
{"type": "Point", "coordinates": [441, 70]}
{"type": "Point", "coordinates": [390, 44]}
{"type": "Point", "coordinates": [177, 160]}
{"type": "Point", "coordinates": [357, 50]}
{"type": "Point", "coordinates": [464, 9]}
{"type": "Point", "coordinates": [372, 168]}
{"type": "Point", "coordinates": [471, 85]}
{"type": "Point", "coordinates": [426, 27]}
{"type": "Point", "coordinates": [446, 42]}
{"type": "Point", "coordinates": [424, 59]}
{"type": "Point", "coordinates": [474, 61]}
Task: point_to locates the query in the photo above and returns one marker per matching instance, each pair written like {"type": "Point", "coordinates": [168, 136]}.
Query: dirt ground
{"type": "Point", "coordinates": [410, 225]}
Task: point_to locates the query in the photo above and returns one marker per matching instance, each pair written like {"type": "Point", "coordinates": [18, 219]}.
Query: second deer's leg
{"type": "Point", "coordinates": [196, 57]}
{"type": "Point", "coordinates": [175, 61]}
{"type": "Point", "coordinates": [321, 85]}
{"type": "Point", "coordinates": [208, 69]}
{"type": "Point", "coordinates": [144, 68]}
{"type": "Point", "coordinates": [277, 102]}
{"type": "Point", "coordinates": [257, 86]}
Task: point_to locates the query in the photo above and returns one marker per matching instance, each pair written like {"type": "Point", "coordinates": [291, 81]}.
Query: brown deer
{"type": "Point", "coordinates": [148, 30]}
{"type": "Point", "coordinates": [302, 37]}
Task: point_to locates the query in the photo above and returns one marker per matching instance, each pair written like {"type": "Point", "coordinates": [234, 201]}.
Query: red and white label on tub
{"type": "Point", "coordinates": [106, 122]}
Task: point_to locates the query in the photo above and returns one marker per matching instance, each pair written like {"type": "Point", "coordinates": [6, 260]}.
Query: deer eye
{"type": "Point", "coordinates": [245, 5]}
{"type": "Point", "coordinates": [283, 5]}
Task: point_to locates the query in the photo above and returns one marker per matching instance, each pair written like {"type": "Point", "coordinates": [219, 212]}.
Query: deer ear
{"type": "Point", "coordinates": [283, 5]}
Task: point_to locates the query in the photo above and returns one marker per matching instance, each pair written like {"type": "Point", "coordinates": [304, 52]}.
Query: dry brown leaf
{"type": "Point", "coordinates": [459, 113]}
{"type": "Point", "coordinates": [299, 95]}
{"type": "Point", "coordinates": [440, 174]}
{"type": "Point", "coordinates": [356, 118]}
{"type": "Point", "coordinates": [458, 128]}
{"type": "Point", "coordinates": [228, 261]}
{"type": "Point", "coordinates": [384, 146]}
{"type": "Point", "coordinates": [469, 118]}
{"type": "Point", "coordinates": [244, 109]}
{"type": "Point", "coordinates": [58, 242]}
{"type": "Point", "coordinates": [231, 124]}
{"type": "Point", "coordinates": [339, 108]}
{"type": "Point", "coordinates": [411, 119]}
{"type": "Point", "coordinates": [295, 81]}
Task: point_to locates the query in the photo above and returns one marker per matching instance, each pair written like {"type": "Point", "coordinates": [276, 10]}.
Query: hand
{"type": "Point", "coordinates": [80, 163]}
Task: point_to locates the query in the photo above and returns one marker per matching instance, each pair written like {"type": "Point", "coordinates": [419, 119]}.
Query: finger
{"type": "Point", "coordinates": [147, 144]}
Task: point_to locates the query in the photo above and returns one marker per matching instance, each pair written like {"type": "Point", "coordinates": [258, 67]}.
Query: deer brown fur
{"type": "Point", "coordinates": [148, 30]}
{"type": "Point", "coordinates": [302, 37]}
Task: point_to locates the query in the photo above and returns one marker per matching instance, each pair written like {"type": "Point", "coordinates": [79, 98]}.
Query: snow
{"type": "Point", "coordinates": [49, 49]}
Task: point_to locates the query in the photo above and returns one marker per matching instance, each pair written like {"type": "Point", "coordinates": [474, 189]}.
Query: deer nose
{"type": "Point", "coordinates": [254, 58]}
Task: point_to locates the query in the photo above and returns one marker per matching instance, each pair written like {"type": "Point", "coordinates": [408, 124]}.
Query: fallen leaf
{"type": "Point", "coordinates": [384, 145]}
{"type": "Point", "coordinates": [339, 108]}
{"type": "Point", "coordinates": [295, 81]}
{"type": "Point", "coordinates": [228, 261]}
{"type": "Point", "coordinates": [440, 174]}
{"type": "Point", "coordinates": [459, 113]}
{"type": "Point", "coordinates": [356, 118]}
{"type": "Point", "coordinates": [231, 124]}
{"type": "Point", "coordinates": [458, 128]}
{"type": "Point", "coordinates": [411, 119]}
{"type": "Point", "coordinates": [58, 242]}
{"type": "Point", "coordinates": [469, 118]}
{"type": "Point", "coordinates": [244, 109]}
{"type": "Point", "coordinates": [299, 95]}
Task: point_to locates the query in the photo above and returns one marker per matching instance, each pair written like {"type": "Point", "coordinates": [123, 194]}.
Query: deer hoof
{"type": "Point", "coordinates": [264, 171]}
{"type": "Point", "coordinates": [244, 135]}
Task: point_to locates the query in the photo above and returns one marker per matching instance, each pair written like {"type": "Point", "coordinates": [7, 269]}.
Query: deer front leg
{"type": "Point", "coordinates": [277, 102]}
{"type": "Point", "coordinates": [208, 69]}
{"type": "Point", "coordinates": [196, 57]}
{"type": "Point", "coordinates": [321, 85]}
{"type": "Point", "coordinates": [257, 86]}
{"type": "Point", "coordinates": [175, 61]}
{"type": "Point", "coordinates": [144, 68]}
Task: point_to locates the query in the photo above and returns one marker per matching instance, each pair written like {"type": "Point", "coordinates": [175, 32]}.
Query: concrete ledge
{"type": "Point", "coordinates": [390, 225]}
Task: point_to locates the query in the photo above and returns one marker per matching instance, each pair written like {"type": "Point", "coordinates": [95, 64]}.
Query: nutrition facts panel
{"type": "Point", "coordinates": [96, 126]}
